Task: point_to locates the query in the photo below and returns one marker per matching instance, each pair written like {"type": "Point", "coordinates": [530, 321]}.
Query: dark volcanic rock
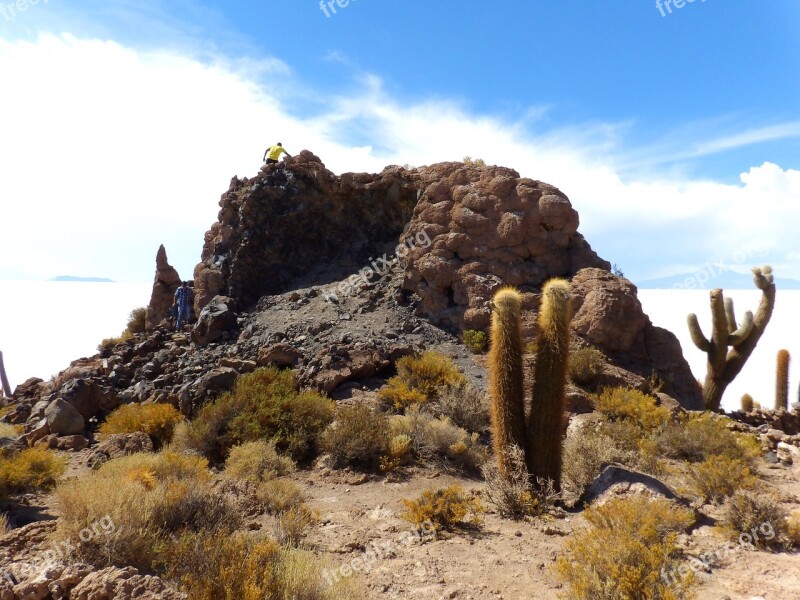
{"type": "Point", "coordinates": [215, 319]}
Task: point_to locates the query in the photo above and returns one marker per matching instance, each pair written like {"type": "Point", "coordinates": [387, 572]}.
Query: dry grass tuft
{"type": "Point", "coordinates": [444, 509]}
{"type": "Point", "coordinates": [257, 461]}
{"type": "Point", "coordinates": [513, 496]}
{"type": "Point", "coordinates": [756, 519]}
{"type": "Point", "coordinates": [586, 365]}
{"type": "Point", "coordinates": [30, 470]}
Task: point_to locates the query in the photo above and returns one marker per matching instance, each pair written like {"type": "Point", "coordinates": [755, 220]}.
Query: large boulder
{"type": "Point", "coordinates": [166, 282]}
{"type": "Point", "coordinates": [608, 315]}
{"type": "Point", "coordinates": [476, 229]}
{"type": "Point", "coordinates": [63, 418]}
{"type": "Point", "coordinates": [279, 355]}
{"type": "Point", "coordinates": [89, 397]}
{"type": "Point", "coordinates": [216, 318]}
{"type": "Point", "coordinates": [114, 583]}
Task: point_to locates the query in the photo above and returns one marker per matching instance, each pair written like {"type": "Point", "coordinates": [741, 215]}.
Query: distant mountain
{"type": "Point", "coordinates": [82, 279]}
{"type": "Point", "coordinates": [712, 277]}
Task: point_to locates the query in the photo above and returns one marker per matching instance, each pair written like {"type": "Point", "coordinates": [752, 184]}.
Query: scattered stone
{"type": "Point", "coordinates": [63, 418]}
{"type": "Point", "coordinates": [216, 319]}
{"type": "Point", "coordinates": [279, 355]}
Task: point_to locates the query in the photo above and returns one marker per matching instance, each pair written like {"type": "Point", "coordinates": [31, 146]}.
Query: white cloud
{"type": "Point", "coordinates": [108, 151]}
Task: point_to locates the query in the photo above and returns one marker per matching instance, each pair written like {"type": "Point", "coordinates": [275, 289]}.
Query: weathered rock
{"type": "Point", "coordinates": [616, 480]}
{"type": "Point", "coordinates": [63, 418]}
{"type": "Point", "coordinates": [29, 389]}
{"type": "Point", "coordinates": [205, 389]}
{"type": "Point", "coordinates": [89, 397]}
{"type": "Point", "coordinates": [164, 286]}
{"type": "Point", "coordinates": [39, 431]}
{"type": "Point", "coordinates": [475, 229]}
{"type": "Point", "coordinates": [114, 583]}
{"type": "Point", "coordinates": [238, 365]}
{"type": "Point", "coordinates": [71, 442]}
{"type": "Point", "coordinates": [216, 318]}
{"type": "Point", "coordinates": [272, 233]}
{"type": "Point", "coordinates": [608, 315]}
{"type": "Point", "coordinates": [280, 355]}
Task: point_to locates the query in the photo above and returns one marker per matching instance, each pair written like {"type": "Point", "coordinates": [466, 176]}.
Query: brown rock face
{"type": "Point", "coordinates": [300, 222]}
{"type": "Point", "coordinates": [475, 229]}
{"type": "Point", "coordinates": [164, 286]}
{"type": "Point", "coordinates": [609, 316]}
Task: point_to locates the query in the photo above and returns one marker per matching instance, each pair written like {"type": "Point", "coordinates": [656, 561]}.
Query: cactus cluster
{"type": "Point", "coordinates": [540, 436]}
{"type": "Point", "coordinates": [724, 364]}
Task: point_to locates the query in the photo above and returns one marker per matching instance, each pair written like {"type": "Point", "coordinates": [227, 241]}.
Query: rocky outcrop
{"type": "Point", "coordinates": [300, 221]}
{"type": "Point", "coordinates": [476, 229]}
{"type": "Point", "coordinates": [114, 583]}
{"type": "Point", "coordinates": [63, 418]}
{"type": "Point", "coordinates": [609, 316]}
{"type": "Point", "coordinates": [164, 286]}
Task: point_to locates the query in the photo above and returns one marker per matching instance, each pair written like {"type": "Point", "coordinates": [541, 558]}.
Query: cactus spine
{"type": "Point", "coordinates": [506, 388]}
{"type": "Point", "coordinates": [747, 403]}
{"type": "Point", "coordinates": [547, 401]}
{"type": "Point", "coordinates": [782, 381]}
{"type": "Point", "coordinates": [723, 364]}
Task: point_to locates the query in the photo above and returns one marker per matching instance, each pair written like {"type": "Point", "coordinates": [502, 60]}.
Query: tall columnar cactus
{"type": "Point", "coordinates": [5, 388]}
{"type": "Point", "coordinates": [546, 421]}
{"type": "Point", "coordinates": [723, 364]}
{"type": "Point", "coordinates": [506, 379]}
{"type": "Point", "coordinates": [782, 381]}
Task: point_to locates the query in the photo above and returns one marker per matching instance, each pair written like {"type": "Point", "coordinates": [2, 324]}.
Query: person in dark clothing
{"type": "Point", "coordinates": [184, 297]}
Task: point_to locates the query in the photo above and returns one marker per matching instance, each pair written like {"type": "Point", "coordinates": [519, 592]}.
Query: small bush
{"type": "Point", "coordinates": [136, 320]}
{"type": "Point", "coordinates": [622, 556]}
{"type": "Point", "coordinates": [30, 470]}
{"type": "Point", "coordinates": [700, 437]}
{"type": "Point", "coordinates": [429, 373]}
{"type": "Point", "coordinates": [793, 528]}
{"type": "Point", "coordinates": [513, 495]}
{"type": "Point", "coordinates": [400, 394]}
{"type": "Point", "coordinates": [586, 452]}
{"type": "Point", "coordinates": [264, 404]}
{"type": "Point", "coordinates": [156, 420]}
{"type": "Point", "coordinates": [291, 525]}
{"type": "Point", "coordinates": [8, 431]}
{"type": "Point", "coordinates": [433, 438]}
{"type": "Point", "coordinates": [359, 436]}
{"type": "Point", "coordinates": [257, 461]}
{"type": "Point", "coordinates": [718, 477]}
{"type": "Point", "coordinates": [465, 406]}
{"type": "Point", "coordinates": [475, 341]}
{"type": "Point", "coordinates": [443, 509]}
{"type": "Point", "coordinates": [625, 404]}
{"type": "Point", "coordinates": [476, 162]}
{"type": "Point", "coordinates": [586, 365]}
{"type": "Point", "coordinates": [211, 566]}
{"type": "Point", "coordinates": [756, 519]}
{"type": "Point", "coordinates": [109, 343]}
{"type": "Point", "coordinates": [145, 498]}
{"type": "Point", "coordinates": [280, 495]}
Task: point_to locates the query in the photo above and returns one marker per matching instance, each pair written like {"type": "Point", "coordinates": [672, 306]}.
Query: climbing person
{"type": "Point", "coordinates": [184, 297]}
{"type": "Point", "coordinates": [273, 153]}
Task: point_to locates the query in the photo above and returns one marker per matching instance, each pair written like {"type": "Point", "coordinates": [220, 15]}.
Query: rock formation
{"type": "Point", "coordinates": [475, 229]}
{"type": "Point", "coordinates": [164, 286]}
{"type": "Point", "coordinates": [315, 227]}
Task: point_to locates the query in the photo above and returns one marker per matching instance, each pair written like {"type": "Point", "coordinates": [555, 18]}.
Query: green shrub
{"type": "Point", "coordinates": [475, 341]}
{"type": "Point", "coordinates": [359, 436]}
{"type": "Point", "coordinates": [257, 461]}
{"type": "Point", "coordinates": [156, 420]}
{"type": "Point", "coordinates": [264, 404]}
{"type": "Point", "coordinates": [109, 343]}
{"type": "Point", "coordinates": [443, 509]}
{"type": "Point", "coordinates": [625, 552]}
{"type": "Point", "coordinates": [756, 519]}
{"type": "Point", "coordinates": [474, 162]}
{"type": "Point", "coordinates": [586, 365]}
{"type": "Point", "coordinates": [30, 470]}
{"type": "Point", "coordinates": [625, 404]}
{"type": "Point", "coordinates": [136, 320]}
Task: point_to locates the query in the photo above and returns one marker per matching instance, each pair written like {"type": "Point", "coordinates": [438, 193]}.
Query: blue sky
{"type": "Point", "coordinates": [677, 137]}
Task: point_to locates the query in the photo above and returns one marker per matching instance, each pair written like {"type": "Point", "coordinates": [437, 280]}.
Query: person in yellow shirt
{"type": "Point", "coordinates": [272, 153]}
